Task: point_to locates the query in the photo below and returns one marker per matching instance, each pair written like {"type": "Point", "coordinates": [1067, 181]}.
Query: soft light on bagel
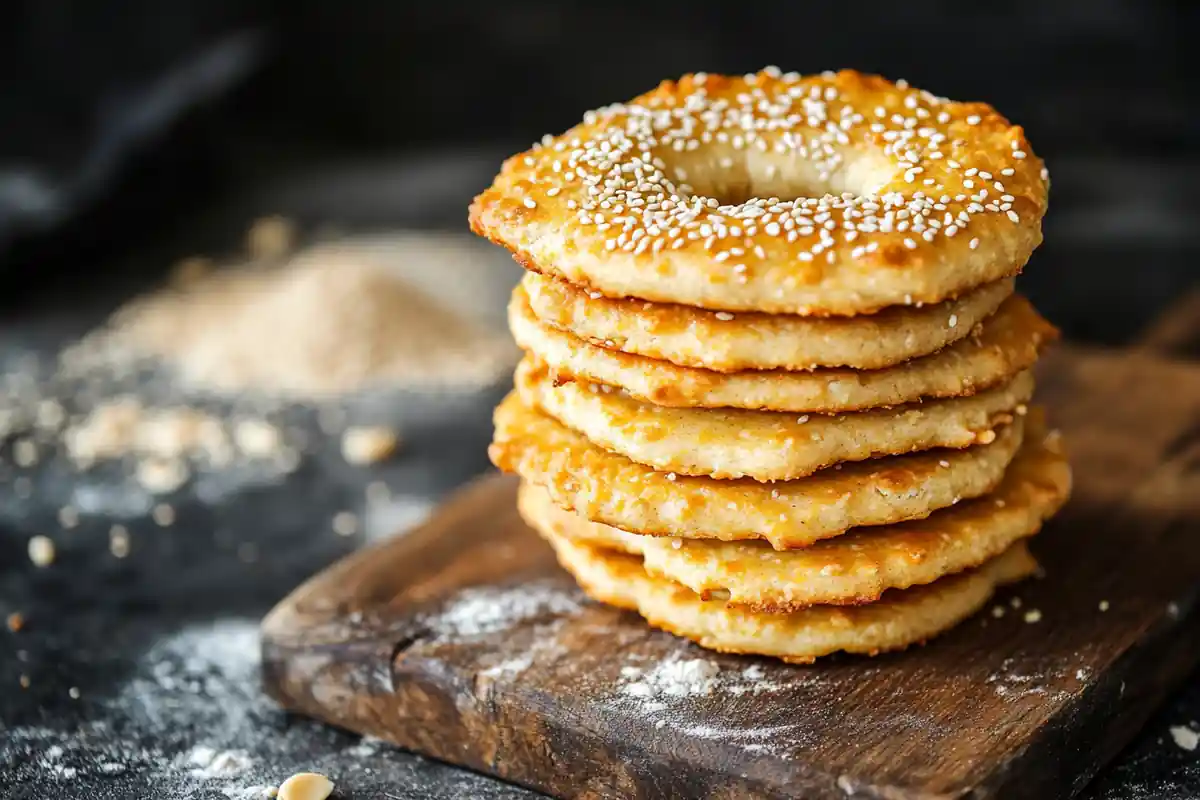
{"type": "Point", "coordinates": [834, 194]}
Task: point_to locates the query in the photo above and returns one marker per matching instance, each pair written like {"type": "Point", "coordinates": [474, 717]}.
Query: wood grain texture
{"type": "Point", "coordinates": [463, 640]}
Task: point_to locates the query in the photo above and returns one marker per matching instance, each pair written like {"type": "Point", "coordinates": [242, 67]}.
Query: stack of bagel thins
{"type": "Point", "coordinates": [776, 392]}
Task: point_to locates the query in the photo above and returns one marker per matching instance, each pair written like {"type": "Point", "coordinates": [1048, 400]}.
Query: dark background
{"type": "Point", "coordinates": [122, 121]}
{"type": "Point", "coordinates": [134, 132]}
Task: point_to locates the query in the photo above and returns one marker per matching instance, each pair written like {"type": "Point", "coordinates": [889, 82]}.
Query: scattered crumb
{"type": "Point", "coordinates": [305, 786]}
{"type": "Point", "coordinates": [257, 438]}
{"type": "Point", "coordinates": [50, 415]}
{"type": "Point", "coordinates": [270, 238]}
{"type": "Point", "coordinates": [1103, 605]}
{"type": "Point", "coordinates": [369, 444]}
{"type": "Point", "coordinates": [1015, 602]}
{"type": "Point", "coordinates": [23, 679]}
{"type": "Point", "coordinates": [1173, 610]}
{"type": "Point", "coordinates": [998, 611]}
{"type": "Point", "coordinates": [345, 523]}
{"type": "Point", "coordinates": [190, 270]}
{"type": "Point", "coordinates": [25, 453]}
{"type": "Point", "coordinates": [73, 692]}
{"type": "Point", "coordinates": [1185, 737]}
{"type": "Point", "coordinates": [378, 493]}
{"type": "Point", "coordinates": [159, 475]}
{"type": "Point", "coordinates": [1033, 616]}
{"type": "Point", "coordinates": [68, 517]}
{"type": "Point", "coordinates": [15, 621]}
{"type": "Point", "coordinates": [163, 514]}
{"type": "Point", "coordinates": [118, 541]}
{"type": "Point", "coordinates": [41, 551]}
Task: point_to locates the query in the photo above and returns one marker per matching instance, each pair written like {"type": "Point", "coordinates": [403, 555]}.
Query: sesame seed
{"type": "Point", "coordinates": [974, 243]}
{"type": "Point", "coordinates": [953, 320]}
{"type": "Point", "coordinates": [1032, 616]}
{"type": "Point", "coordinates": [724, 316]}
{"type": "Point", "coordinates": [636, 200]}
{"type": "Point", "coordinates": [1104, 605]}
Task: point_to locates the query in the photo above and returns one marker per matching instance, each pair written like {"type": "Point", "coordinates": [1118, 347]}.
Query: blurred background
{"type": "Point", "coordinates": [148, 516]}
{"type": "Point", "coordinates": [123, 124]}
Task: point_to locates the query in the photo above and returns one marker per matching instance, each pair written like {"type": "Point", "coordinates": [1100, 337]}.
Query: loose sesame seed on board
{"type": "Point", "coordinates": [624, 173]}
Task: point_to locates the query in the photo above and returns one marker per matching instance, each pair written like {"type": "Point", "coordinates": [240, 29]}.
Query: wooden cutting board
{"type": "Point", "coordinates": [463, 640]}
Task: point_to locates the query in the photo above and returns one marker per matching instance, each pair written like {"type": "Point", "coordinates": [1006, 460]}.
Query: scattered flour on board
{"type": "Point", "coordinates": [1014, 686]}
{"type": "Point", "coordinates": [676, 676]}
{"type": "Point", "coordinates": [667, 691]}
{"type": "Point", "coordinates": [486, 610]}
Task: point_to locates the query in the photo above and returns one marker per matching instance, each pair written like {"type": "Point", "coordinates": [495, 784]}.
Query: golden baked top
{"type": "Point", "coordinates": [832, 194]}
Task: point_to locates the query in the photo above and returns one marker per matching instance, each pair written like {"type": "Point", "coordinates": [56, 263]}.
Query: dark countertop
{"type": "Point", "coordinates": [142, 671]}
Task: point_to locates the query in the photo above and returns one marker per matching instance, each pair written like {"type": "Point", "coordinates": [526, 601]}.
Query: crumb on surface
{"type": "Point", "coordinates": [159, 475]}
{"type": "Point", "coordinates": [163, 514]}
{"type": "Point", "coordinates": [270, 237]}
{"type": "Point", "coordinates": [68, 517]}
{"type": "Point", "coordinates": [305, 786]}
{"type": "Point", "coordinates": [41, 551]}
{"type": "Point", "coordinates": [1185, 738]}
{"type": "Point", "coordinates": [369, 444]}
{"type": "Point", "coordinates": [345, 523]}
{"type": "Point", "coordinates": [118, 541]}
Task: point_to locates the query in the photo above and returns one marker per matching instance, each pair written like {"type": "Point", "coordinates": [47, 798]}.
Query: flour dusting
{"type": "Point", "coordinates": [671, 694]}
{"type": "Point", "coordinates": [676, 676]}
{"type": "Point", "coordinates": [193, 721]}
{"type": "Point", "coordinates": [487, 610]}
{"type": "Point", "coordinates": [1014, 686]}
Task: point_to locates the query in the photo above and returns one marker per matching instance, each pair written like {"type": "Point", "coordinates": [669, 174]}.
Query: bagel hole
{"type": "Point", "coordinates": [772, 175]}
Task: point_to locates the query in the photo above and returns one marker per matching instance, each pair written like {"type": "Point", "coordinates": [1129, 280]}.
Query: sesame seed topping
{"type": "Point", "coordinates": [618, 175]}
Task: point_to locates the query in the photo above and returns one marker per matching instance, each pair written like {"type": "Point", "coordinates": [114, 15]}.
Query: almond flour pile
{"type": "Point", "coordinates": [205, 377]}
{"type": "Point", "coordinates": [330, 320]}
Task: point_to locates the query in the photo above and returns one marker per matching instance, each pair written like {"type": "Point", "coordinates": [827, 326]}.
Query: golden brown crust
{"type": "Point", "coordinates": [724, 342]}
{"type": "Point", "coordinates": [853, 569]}
{"type": "Point", "coordinates": [1006, 344]}
{"type": "Point", "coordinates": [764, 445]}
{"type": "Point", "coordinates": [682, 195]}
{"type": "Point", "coordinates": [900, 618]}
{"type": "Point", "coordinates": [609, 488]}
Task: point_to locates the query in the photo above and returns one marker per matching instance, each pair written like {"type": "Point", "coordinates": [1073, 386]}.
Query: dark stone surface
{"type": "Point", "coordinates": [160, 645]}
